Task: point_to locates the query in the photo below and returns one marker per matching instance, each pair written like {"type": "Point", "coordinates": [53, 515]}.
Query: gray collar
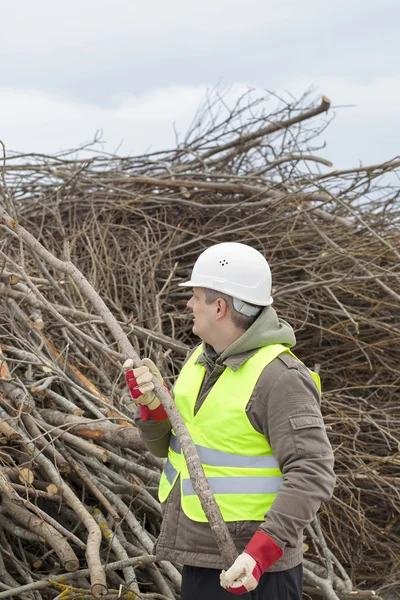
{"type": "Point", "coordinates": [233, 362]}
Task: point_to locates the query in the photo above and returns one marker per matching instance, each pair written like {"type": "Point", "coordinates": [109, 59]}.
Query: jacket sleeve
{"type": "Point", "coordinates": [155, 434]}
{"type": "Point", "coordinates": [294, 427]}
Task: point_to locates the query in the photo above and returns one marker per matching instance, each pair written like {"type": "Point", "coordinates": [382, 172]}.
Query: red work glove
{"type": "Point", "coordinates": [141, 386]}
{"type": "Point", "coordinates": [243, 576]}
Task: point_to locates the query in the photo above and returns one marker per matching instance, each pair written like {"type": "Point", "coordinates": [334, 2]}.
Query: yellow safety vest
{"type": "Point", "coordinates": [237, 460]}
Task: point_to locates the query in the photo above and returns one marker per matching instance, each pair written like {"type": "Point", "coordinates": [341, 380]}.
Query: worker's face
{"type": "Point", "coordinates": [203, 315]}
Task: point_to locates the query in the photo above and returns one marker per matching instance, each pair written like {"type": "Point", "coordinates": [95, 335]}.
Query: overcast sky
{"type": "Point", "coordinates": [134, 68]}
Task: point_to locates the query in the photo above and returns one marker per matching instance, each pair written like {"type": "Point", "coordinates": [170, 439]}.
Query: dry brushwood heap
{"type": "Point", "coordinates": [79, 511]}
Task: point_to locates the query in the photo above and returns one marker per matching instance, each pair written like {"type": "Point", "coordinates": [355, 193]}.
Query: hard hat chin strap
{"type": "Point", "coordinates": [246, 309]}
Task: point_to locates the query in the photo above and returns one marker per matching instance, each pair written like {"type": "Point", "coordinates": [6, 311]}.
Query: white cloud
{"type": "Point", "coordinates": [96, 24]}
{"type": "Point", "coordinates": [35, 121]}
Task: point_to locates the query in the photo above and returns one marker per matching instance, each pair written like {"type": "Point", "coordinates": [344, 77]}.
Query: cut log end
{"type": "Point", "coordinates": [99, 590]}
{"type": "Point", "coordinates": [65, 468]}
{"type": "Point", "coordinates": [26, 476]}
{"type": "Point", "coordinates": [326, 103]}
{"type": "Point", "coordinates": [37, 564]}
{"type": "Point", "coordinates": [128, 364]}
{"type": "Point", "coordinates": [52, 488]}
{"type": "Point", "coordinates": [71, 565]}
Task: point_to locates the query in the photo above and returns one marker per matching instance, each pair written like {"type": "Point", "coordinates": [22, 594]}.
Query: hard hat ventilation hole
{"type": "Point", "coordinates": [223, 262]}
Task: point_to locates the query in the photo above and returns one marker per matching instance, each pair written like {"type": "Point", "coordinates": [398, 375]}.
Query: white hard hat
{"type": "Point", "coordinates": [234, 269]}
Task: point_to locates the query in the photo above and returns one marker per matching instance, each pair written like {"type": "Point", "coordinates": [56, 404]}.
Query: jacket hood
{"type": "Point", "coordinates": [267, 329]}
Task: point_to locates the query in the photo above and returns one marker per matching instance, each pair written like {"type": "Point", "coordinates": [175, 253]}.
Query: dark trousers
{"type": "Point", "coordinates": [203, 584]}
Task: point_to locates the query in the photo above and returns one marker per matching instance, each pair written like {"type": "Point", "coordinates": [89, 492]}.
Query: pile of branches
{"type": "Point", "coordinates": [74, 473]}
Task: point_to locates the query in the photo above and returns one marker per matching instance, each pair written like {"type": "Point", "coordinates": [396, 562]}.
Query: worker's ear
{"type": "Point", "coordinates": [222, 308]}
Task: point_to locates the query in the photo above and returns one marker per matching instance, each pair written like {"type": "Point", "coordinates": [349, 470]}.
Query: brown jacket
{"type": "Point", "coordinates": [285, 407]}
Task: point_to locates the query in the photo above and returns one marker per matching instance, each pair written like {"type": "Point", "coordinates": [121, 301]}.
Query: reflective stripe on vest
{"type": "Point", "coordinates": [237, 460]}
{"type": "Point", "coordinates": [215, 458]}
{"type": "Point", "coordinates": [236, 485]}
{"type": "Point", "coordinates": [170, 472]}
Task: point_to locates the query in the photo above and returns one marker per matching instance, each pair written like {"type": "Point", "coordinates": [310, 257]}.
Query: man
{"type": "Point", "coordinates": [253, 411]}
